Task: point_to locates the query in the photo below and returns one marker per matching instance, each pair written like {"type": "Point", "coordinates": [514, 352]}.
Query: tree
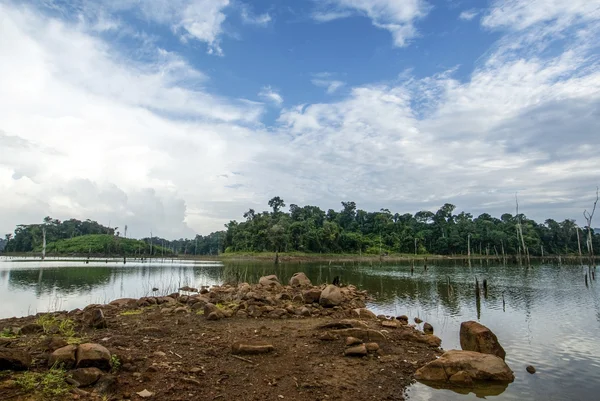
{"type": "Point", "coordinates": [276, 203]}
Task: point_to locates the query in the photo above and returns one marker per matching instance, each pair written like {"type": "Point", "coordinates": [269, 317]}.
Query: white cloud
{"type": "Point", "coordinates": [250, 18]}
{"type": "Point", "coordinates": [271, 95]}
{"type": "Point", "coordinates": [398, 17]}
{"type": "Point", "coordinates": [332, 85]}
{"type": "Point", "coordinates": [468, 15]}
{"type": "Point", "coordinates": [519, 15]}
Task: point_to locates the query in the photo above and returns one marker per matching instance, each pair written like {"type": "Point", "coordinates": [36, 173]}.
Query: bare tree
{"type": "Point", "coordinates": [588, 218]}
{"type": "Point", "coordinates": [520, 232]}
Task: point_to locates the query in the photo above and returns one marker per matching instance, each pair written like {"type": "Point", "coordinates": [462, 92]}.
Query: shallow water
{"type": "Point", "coordinates": [549, 318]}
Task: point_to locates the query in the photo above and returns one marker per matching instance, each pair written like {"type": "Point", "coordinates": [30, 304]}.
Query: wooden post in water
{"type": "Point", "coordinates": [485, 288]}
{"type": "Point", "coordinates": [477, 299]}
{"type": "Point", "coordinates": [412, 267]}
{"type": "Point", "coordinates": [586, 283]}
{"type": "Point", "coordinates": [425, 264]}
{"type": "Point", "coordinates": [503, 303]}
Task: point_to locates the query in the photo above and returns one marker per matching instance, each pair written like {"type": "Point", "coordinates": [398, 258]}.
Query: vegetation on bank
{"type": "Point", "coordinates": [309, 230]}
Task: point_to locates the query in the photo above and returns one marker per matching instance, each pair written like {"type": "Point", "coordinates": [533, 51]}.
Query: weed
{"type": "Point", "coordinates": [115, 363]}
{"type": "Point", "coordinates": [131, 312]}
{"type": "Point", "coordinates": [52, 384]}
{"type": "Point", "coordinates": [49, 323]}
{"type": "Point", "coordinates": [7, 333]}
{"type": "Point", "coordinates": [28, 381]}
{"type": "Point", "coordinates": [67, 327]}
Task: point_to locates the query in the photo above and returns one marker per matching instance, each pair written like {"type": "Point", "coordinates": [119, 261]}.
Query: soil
{"type": "Point", "coordinates": [184, 356]}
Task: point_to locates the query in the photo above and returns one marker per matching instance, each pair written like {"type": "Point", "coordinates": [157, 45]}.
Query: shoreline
{"type": "Point", "coordinates": [252, 342]}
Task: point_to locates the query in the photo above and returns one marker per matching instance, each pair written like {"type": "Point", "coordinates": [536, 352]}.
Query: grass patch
{"type": "Point", "coordinates": [132, 312]}
{"type": "Point", "coordinates": [50, 324]}
{"type": "Point", "coordinates": [7, 333]}
{"type": "Point", "coordinates": [115, 363]}
{"type": "Point", "coordinates": [50, 385]}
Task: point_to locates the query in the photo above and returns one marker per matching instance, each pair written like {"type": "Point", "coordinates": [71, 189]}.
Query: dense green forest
{"type": "Point", "coordinates": [313, 230]}
{"type": "Point", "coordinates": [352, 230]}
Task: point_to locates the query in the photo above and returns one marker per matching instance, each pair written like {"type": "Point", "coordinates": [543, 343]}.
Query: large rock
{"type": "Point", "coordinates": [93, 356]}
{"type": "Point", "coordinates": [300, 280]}
{"type": "Point", "coordinates": [63, 357]}
{"type": "Point", "coordinates": [269, 281]}
{"type": "Point", "coordinates": [311, 296]}
{"type": "Point", "coordinates": [31, 328]}
{"type": "Point", "coordinates": [14, 359]}
{"type": "Point", "coordinates": [476, 337]}
{"type": "Point", "coordinates": [94, 317]}
{"type": "Point", "coordinates": [363, 313]}
{"type": "Point", "coordinates": [212, 312]}
{"type": "Point", "coordinates": [464, 368]}
{"type": "Point", "coordinates": [86, 376]}
{"type": "Point", "coordinates": [121, 302]}
{"type": "Point", "coordinates": [331, 296]}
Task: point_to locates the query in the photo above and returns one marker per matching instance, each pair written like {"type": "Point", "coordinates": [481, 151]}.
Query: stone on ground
{"type": "Point", "coordinates": [357, 350]}
{"type": "Point", "coordinates": [269, 281]}
{"type": "Point", "coordinates": [86, 376]}
{"type": "Point", "coordinates": [476, 337]}
{"type": "Point", "coordinates": [331, 296]}
{"type": "Point", "coordinates": [64, 356]}
{"type": "Point", "coordinates": [93, 356]}
{"type": "Point", "coordinates": [14, 359]}
{"type": "Point", "coordinates": [300, 280]}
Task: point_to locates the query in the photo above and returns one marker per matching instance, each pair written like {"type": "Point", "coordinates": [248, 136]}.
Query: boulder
{"type": "Point", "coordinates": [372, 347]}
{"type": "Point", "coordinates": [311, 296]}
{"type": "Point", "coordinates": [300, 280]}
{"type": "Point", "coordinates": [31, 328]}
{"type": "Point", "coordinates": [402, 319]}
{"type": "Point", "coordinates": [363, 313]}
{"type": "Point", "coordinates": [530, 369]}
{"type": "Point", "coordinates": [464, 368]}
{"type": "Point", "coordinates": [14, 359]}
{"type": "Point", "coordinates": [53, 343]}
{"type": "Point", "coordinates": [86, 376]}
{"type": "Point", "coordinates": [427, 328]}
{"type": "Point", "coordinates": [476, 337]}
{"type": "Point", "coordinates": [94, 317]}
{"type": "Point", "coordinates": [269, 281]}
{"type": "Point", "coordinates": [121, 302]}
{"type": "Point", "coordinates": [93, 356]}
{"type": "Point", "coordinates": [331, 296]}
{"type": "Point", "coordinates": [418, 320]}
{"type": "Point", "coordinates": [350, 341]}
{"type": "Point", "coordinates": [64, 356]}
{"type": "Point", "coordinates": [211, 309]}
{"type": "Point", "coordinates": [357, 350]}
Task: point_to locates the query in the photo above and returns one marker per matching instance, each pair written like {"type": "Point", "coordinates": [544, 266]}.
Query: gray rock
{"type": "Point", "coordinates": [311, 296]}
{"type": "Point", "coordinates": [269, 281]}
{"type": "Point", "coordinates": [86, 376]}
{"type": "Point", "coordinates": [93, 355]}
{"type": "Point", "coordinates": [14, 359]}
{"type": "Point", "coordinates": [94, 318]}
{"type": "Point", "coordinates": [331, 296]}
{"type": "Point", "coordinates": [64, 356]}
{"type": "Point", "coordinates": [300, 280]}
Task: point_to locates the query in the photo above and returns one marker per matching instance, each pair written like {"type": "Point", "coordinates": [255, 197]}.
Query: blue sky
{"type": "Point", "coordinates": [177, 116]}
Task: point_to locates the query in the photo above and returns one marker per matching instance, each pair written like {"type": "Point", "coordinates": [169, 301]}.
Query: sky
{"type": "Point", "coordinates": [177, 116]}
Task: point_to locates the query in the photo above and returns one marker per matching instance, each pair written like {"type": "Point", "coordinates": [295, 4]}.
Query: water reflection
{"type": "Point", "coordinates": [544, 316]}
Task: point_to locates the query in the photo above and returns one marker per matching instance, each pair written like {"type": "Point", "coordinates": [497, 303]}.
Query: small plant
{"type": "Point", "coordinates": [28, 381]}
{"type": "Point", "coordinates": [7, 333]}
{"type": "Point", "coordinates": [131, 312]}
{"type": "Point", "coordinates": [67, 327]}
{"type": "Point", "coordinates": [52, 384]}
{"type": "Point", "coordinates": [49, 323]}
{"type": "Point", "coordinates": [115, 363]}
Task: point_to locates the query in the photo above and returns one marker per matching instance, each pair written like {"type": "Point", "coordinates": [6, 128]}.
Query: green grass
{"type": "Point", "coordinates": [102, 244]}
{"type": "Point", "coordinates": [115, 363]}
{"type": "Point", "coordinates": [7, 333]}
{"type": "Point", "coordinates": [66, 327]}
{"type": "Point", "coordinates": [131, 312]}
{"type": "Point", "coordinates": [50, 385]}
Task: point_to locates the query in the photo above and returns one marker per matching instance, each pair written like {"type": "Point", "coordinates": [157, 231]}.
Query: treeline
{"type": "Point", "coordinates": [352, 230]}
{"type": "Point", "coordinates": [76, 236]}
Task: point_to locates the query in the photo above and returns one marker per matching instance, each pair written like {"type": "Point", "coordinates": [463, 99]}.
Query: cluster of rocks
{"type": "Point", "coordinates": [267, 299]}
{"type": "Point", "coordinates": [480, 360]}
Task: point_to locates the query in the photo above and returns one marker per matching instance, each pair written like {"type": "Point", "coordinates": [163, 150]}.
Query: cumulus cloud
{"type": "Point", "coordinates": [326, 81]}
{"type": "Point", "coordinates": [271, 95]}
{"type": "Point", "coordinates": [397, 17]}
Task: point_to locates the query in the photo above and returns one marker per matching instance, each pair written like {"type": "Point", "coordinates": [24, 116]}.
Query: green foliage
{"type": "Point", "coordinates": [66, 327]}
{"type": "Point", "coordinates": [115, 363]}
{"type": "Point", "coordinates": [7, 333]}
{"type": "Point", "coordinates": [51, 384]}
{"type": "Point", "coordinates": [131, 312]}
{"type": "Point", "coordinates": [102, 244]}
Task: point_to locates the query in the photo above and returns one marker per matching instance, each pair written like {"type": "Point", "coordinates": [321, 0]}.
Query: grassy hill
{"type": "Point", "coordinates": [104, 244]}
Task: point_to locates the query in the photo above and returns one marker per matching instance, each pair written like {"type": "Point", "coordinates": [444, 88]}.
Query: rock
{"type": "Point", "coordinates": [86, 376]}
{"type": "Point", "coordinates": [304, 311]}
{"type": "Point", "coordinates": [31, 328]}
{"type": "Point", "coordinates": [331, 296]}
{"type": "Point", "coordinates": [358, 350]}
{"type": "Point", "coordinates": [530, 369]}
{"type": "Point", "coordinates": [64, 356]}
{"type": "Point", "coordinates": [363, 313]}
{"type": "Point", "coordinates": [93, 355]}
{"type": "Point", "coordinates": [106, 385]}
{"type": "Point", "coordinates": [467, 364]}
{"type": "Point", "coordinates": [427, 328]}
{"type": "Point", "coordinates": [402, 319]}
{"type": "Point", "coordinates": [364, 334]}
{"type": "Point", "coordinates": [311, 296]}
{"type": "Point", "coordinates": [210, 309]}
{"type": "Point", "coordinates": [476, 337]}
{"type": "Point", "coordinates": [145, 393]}
{"type": "Point", "coordinates": [53, 343]}
{"type": "Point", "coordinates": [269, 281]}
{"type": "Point", "coordinates": [166, 300]}
{"type": "Point", "coordinates": [328, 336]}
{"type": "Point", "coordinates": [251, 349]}
{"type": "Point", "coordinates": [461, 378]}
{"type": "Point", "coordinates": [181, 309]}
{"type": "Point", "coordinates": [121, 302]}
{"type": "Point", "coordinates": [353, 341]}
{"type": "Point", "coordinates": [94, 318]}
{"type": "Point", "coordinates": [372, 347]}
{"type": "Point", "coordinates": [14, 359]}
{"type": "Point", "coordinates": [187, 288]}
{"type": "Point", "coordinates": [418, 321]}
{"type": "Point", "coordinates": [213, 316]}
{"type": "Point", "coordinates": [300, 280]}
{"type": "Point", "coordinates": [391, 324]}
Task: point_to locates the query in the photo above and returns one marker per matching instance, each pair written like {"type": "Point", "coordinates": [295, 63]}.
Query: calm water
{"type": "Point", "coordinates": [550, 319]}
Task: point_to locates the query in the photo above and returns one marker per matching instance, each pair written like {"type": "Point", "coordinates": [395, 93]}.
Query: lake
{"type": "Point", "coordinates": [545, 316]}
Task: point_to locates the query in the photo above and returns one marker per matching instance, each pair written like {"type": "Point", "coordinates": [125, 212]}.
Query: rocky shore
{"type": "Point", "coordinates": [266, 341]}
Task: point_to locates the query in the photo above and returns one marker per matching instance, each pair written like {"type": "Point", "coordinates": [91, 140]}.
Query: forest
{"type": "Point", "coordinates": [349, 230]}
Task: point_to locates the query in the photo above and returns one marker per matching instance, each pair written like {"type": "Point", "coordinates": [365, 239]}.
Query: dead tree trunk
{"type": "Point", "coordinates": [588, 218]}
